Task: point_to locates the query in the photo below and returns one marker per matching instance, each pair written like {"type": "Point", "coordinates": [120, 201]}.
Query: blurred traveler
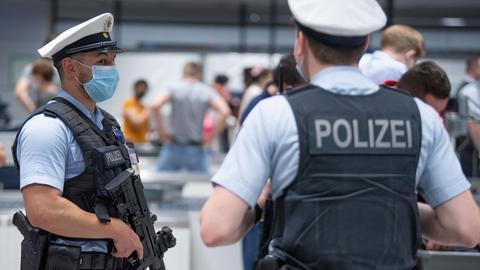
{"type": "Point", "coordinates": [468, 97]}
{"type": "Point", "coordinates": [220, 85]}
{"type": "Point", "coordinates": [401, 47]}
{"type": "Point", "coordinates": [429, 82]}
{"type": "Point", "coordinates": [36, 85]}
{"type": "Point", "coordinates": [291, 79]}
{"type": "Point", "coordinates": [260, 76]}
{"type": "Point", "coordinates": [136, 115]}
{"type": "Point", "coordinates": [472, 75]}
{"type": "Point", "coordinates": [184, 144]}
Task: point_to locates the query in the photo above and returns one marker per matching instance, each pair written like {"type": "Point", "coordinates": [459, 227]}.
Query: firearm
{"type": "Point", "coordinates": [126, 192]}
{"type": "Point", "coordinates": [34, 244]}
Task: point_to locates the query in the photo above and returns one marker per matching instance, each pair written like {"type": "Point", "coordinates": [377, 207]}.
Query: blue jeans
{"type": "Point", "coordinates": [175, 157]}
{"type": "Point", "coordinates": [251, 246]}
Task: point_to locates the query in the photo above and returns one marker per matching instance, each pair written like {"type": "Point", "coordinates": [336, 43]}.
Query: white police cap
{"type": "Point", "coordinates": [91, 35]}
{"type": "Point", "coordinates": [341, 23]}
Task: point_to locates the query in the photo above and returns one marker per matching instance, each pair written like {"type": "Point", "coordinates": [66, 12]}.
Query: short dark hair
{"type": "Point", "coordinates": [426, 78]}
{"type": "Point", "coordinates": [221, 79]}
{"type": "Point", "coordinates": [472, 63]}
{"type": "Point", "coordinates": [290, 75]}
{"type": "Point", "coordinates": [57, 63]}
{"type": "Point", "coordinates": [44, 69]}
{"type": "Point", "coordinates": [140, 82]}
{"type": "Point", "coordinates": [333, 55]}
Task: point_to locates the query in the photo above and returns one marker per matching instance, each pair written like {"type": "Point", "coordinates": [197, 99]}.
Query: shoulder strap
{"type": "Point", "coordinates": [76, 120]}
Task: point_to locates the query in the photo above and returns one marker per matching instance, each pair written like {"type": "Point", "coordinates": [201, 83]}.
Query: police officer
{"type": "Point", "coordinates": [54, 151]}
{"type": "Point", "coordinates": [345, 160]}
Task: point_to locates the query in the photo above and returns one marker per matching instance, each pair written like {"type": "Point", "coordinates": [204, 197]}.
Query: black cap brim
{"type": "Point", "coordinates": [100, 42]}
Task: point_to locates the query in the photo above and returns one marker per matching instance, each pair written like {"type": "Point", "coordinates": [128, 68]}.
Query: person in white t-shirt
{"type": "Point", "coordinates": [401, 47]}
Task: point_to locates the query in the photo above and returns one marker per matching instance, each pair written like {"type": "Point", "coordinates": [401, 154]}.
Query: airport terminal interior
{"type": "Point", "coordinates": [238, 45]}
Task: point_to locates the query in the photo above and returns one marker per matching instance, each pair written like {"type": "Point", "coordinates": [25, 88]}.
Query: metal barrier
{"type": "Point", "coordinates": [448, 260]}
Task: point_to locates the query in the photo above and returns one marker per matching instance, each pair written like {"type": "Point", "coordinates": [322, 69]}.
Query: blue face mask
{"type": "Point", "coordinates": [300, 71]}
{"type": "Point", "coordinates": [103, 84]}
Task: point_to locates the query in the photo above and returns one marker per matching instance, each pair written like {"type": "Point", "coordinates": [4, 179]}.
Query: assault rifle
{"type": "Point", "coordinates": [126, 192]}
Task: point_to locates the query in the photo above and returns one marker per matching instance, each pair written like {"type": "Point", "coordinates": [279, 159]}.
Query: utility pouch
{"type": "Point", "coordinates": [272, 263]}
{"type": "Point", "coordinates": [34, 243]}
{"type": "Point", "coordinates": [268, 263]}
{"type": "Point", "coordinates": [63, 257]}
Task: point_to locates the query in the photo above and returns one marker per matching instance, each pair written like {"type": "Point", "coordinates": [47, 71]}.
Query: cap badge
{"type": "Point", "coordinates": [105, 34]}
{"type": "Point", "coordinates": [107, 25]}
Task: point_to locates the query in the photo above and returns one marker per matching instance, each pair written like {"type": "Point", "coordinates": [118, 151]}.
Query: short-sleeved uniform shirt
{"type": "Point", "coordinates": [136, 134]}
{"type": "Point", "coordinates": [190, 101]}
{"type": "Point", "coordinates": [48, 154]}
{"type": "Point", "coordinates": [380, 67]}
{"type": "Point", "coordinates": [267, 146]}
{"type": "Point", "coordinates": [469, 100]}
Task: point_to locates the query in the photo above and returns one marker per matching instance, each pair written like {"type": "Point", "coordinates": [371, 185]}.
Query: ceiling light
{"type": "Point", "coordinates": [454, 22]}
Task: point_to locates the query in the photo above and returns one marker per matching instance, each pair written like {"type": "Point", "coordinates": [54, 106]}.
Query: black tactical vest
{"type": "Point", "coordinates": [83, 189]}
{"type": "Point", "coordinates": [353, 202]}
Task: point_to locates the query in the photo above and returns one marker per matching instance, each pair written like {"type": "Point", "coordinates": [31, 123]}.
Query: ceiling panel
{"type": "Point", "coordinates": [425, 13]}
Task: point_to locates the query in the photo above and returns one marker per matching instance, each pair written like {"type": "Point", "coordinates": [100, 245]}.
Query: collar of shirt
{"type": "Point", "coordinates": [96, 116]}
{"type": "Point", "coordinates": [344, 80]}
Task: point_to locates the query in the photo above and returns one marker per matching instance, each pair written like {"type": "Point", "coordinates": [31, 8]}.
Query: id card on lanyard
{"type": "Point", "coordinates": [130, 147]}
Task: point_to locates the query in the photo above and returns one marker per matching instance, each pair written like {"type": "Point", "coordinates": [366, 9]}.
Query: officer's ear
{"type": "Point", "coordinates": [300, 44]}
{"type": "Point", "coordinates": [367, 43]}
{"type": "Point", "coordinates": [68, 66]}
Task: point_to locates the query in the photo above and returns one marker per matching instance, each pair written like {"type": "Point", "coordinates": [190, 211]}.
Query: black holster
{"type": "Point", "coordinates": [272, 263]}
{"type": "Point", "coordinates": [34, 244]}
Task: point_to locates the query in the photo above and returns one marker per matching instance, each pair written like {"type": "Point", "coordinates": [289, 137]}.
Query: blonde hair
{"type": "Point", "coordinates": [402, 38]}
{"type": "Point", "coordinates": [192, 69]}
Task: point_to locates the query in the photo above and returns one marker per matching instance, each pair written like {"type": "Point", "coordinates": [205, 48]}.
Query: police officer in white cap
{"type": "Point", "coordinates": [55, 153]}
{"type": "Point", "coordinates": [345, 160]}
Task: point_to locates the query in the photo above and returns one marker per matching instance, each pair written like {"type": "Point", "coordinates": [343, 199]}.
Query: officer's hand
{"type": "Point", "coordinates": [264, 196]}
{"type": "Point", "coordinates": [207, 141]}
{"type": "Point", "coordinates": [125, 240]}
{"type": "Point", "coordinates": [430, 245]}
{"type": "Point", "coordinates": [165, 138]}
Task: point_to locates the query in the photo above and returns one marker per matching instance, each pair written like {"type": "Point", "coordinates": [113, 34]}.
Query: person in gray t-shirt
{"type": "Point", "coordinates": [185, 145]}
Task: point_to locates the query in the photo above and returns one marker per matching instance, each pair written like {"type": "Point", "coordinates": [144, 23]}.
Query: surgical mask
{"type": "Point", "coordinates": [300, 71]}
{"type": "Point", "coordinates": [103, 84]}
{"type": "Point", "coordinates": [140, 95]}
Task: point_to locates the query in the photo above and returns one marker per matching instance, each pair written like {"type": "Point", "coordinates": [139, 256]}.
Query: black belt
{"type": "Point", "coordinates": [189, 142]}
{"type": "Point", "coordinates": [99, 261]}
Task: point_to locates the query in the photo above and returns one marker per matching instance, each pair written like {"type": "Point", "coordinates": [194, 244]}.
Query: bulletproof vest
{"type": "Point", "coordinates": [103, 153]}
{"type": "Point", "coordinates": [352, 204]}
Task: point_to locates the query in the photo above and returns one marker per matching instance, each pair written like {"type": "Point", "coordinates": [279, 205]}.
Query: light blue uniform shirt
{"type": "Point", "coordinates": [267, 146]}
{"type": "Point", "coordinates": [48, 154]}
